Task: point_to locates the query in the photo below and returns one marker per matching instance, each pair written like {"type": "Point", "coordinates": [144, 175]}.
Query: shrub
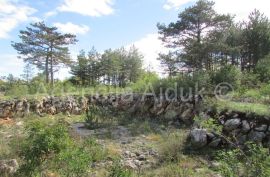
{"type": "Point", "coordinates": [118, 171]}
{"type": "Point", "coordinates": [51, 148]}
{"type": "Point", "coordinates": [229, 74]}
{"type": "Point", "coordinates": [249, 79]}
{"type": "Point", "coordinates": [183, 85]}
{"type": "Point", "coordinates": [265, 90]}
{"type": "Point", "coordinates": [171, 148]}
{"type": "Point", "coordinates": [254, 160]}
{"type": "Point", "coordinates": [17, 90]}
{"type": "Point", "coordinates": [143, 82]}
{"type": "Point", "coordinates": [263, 69]}
{"type": "Point", "coordinates": [41, 143]}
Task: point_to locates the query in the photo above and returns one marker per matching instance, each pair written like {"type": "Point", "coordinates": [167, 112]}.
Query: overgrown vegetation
{"type": "Point", "coordinates": [203, 53]}
{"type": "Point", "coordinates": [51, 148]}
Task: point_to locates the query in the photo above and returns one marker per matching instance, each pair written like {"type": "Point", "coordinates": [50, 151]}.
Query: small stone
{"type": "Point", "coordinates": [198, 138]}
{"type": "Point", "coordinates": [130, 164]}
{"type": "Point", "coordinates": [261, 128]}
{"type": "Point", "coordinates": [232, 124]}
{"type": "Point", "coordinates": [245, 126]}
{"type": "Point", "coordinates": [137, 162]}
{"type": "Point", "coordinates": [127, 153]}
{"type": "Point", "coordinates": [8, 167]}
{"type": "Point", "coordinates": [210, 135]}
{"type": "Point", "coordinates": [256, 136]}
{"type": "Point", "coordinates": [241, 139]}
{"type": "Point", "coordinates": [141, 158]}
{"type": "Point", "coordinates": [215, 164]}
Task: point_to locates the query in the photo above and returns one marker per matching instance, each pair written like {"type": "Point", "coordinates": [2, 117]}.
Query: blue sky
{"type": "Point", "coordinates": [101, 23]}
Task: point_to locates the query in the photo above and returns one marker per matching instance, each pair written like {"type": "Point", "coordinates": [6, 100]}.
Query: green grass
{"type": "Point", "coordinates": [257, 108]}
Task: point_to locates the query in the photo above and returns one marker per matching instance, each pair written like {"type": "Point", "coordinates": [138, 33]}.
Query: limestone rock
{"type": "Point", "coordinates": [232, 124]}
{"type": "Point", "coordinates": [198, 137]}
{"type": "Point", "coordinates": [256, 136]}
{"type": "Point", "coordinates": [261, 128]}
{"type": "Point", "coordinates": [245, 126]}
{"type": "Point", "coordinates": [8, 167]}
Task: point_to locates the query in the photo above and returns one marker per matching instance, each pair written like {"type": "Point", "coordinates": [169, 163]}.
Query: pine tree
{"type": "Point", "coordinates": [44, 47]}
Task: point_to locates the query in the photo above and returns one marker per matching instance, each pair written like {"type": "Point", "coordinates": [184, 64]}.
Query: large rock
{"type": "Point", "coordinates": [215, 143]}
{"type": "Point", "coordinates": [245, 126]}
{"type": "Point", "coordinates": [256, 136]}
{"type": "Point", "coordinates": [8, 167]}
{"type": "Point", "coordinates": [198, 137]}
{"type": "Point", "coordinates": [261, 128]}
{"type": "Point", "coordinates": [232, 124]}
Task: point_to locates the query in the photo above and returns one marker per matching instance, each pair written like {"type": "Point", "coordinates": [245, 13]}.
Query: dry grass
{"type": "Point", "coordinates": [153, 137]}
{"type": "Point", "coordinates": [113, 149]}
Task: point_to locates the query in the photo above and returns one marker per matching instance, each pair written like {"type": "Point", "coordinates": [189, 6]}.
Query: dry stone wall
{"type": "Point", "coordinates": [131, 103]}
{"type": "Point", "coordinates": [237, 129]}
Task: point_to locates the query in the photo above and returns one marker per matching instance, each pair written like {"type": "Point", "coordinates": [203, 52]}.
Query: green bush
{"type": "Point", "coordinates": [252, 161]}
{"type": "Point", "coordinates": [41, 143]}
{"type": "Point", "coordinates": [118, 171]}
{"type": "Point", "coordinates": [229, 74]}
{"type": "Point", "coordinates": [50, 147]}
{"type": "Point", "coordinates": [265, 90]}
{"type": "Point", "coordinates": [263, 69]}
{"type": "Point", "coordinates": [249, 79]}
{"type": "Point", "coordinates": [17, 90]}
{"type": "Point", "coordinates": [183, 85]}
{"type": "Point", "coordinates": [144, 81]}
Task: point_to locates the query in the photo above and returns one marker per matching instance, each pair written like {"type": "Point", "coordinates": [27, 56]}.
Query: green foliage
{"type": "Point", "coordinates": [144, 81]}
{"type": "Point", "coordinates": [249, 79]}
{"type": "Point", "coordinates": [118, 171]}
{"type": "Point", "coordinates": [17, 90]}
{"type": "Point", "coordinates": [210, 124]}
{"type": "Point", "coordinates": [175, 169]}
{"type": "Point", "coordinates": [196, 50]}
{"type": "Point", "coordinates": [170, 63]}
{"type": "Point", "coordinates": [93, 116]}
{"type": "Point", "coordinates": [41, 143]}
{"type": "Point", "coordinates": [183, 85]}
{"type": "Point", "coordinates": [265, 90]}
{"type": "Point", "coordinates": [258, 108]}
{"type": "Point", "coordinates": [73, 161]}
{"type": "Point", "coordinates": [229, 74]}
{"type": "Point", "coordinates": [171, 148]}
{"type": "Point", "coordinates": [76, 160]}
{"type": "Point", "coordinates": [44, 47]}
{"type": "Point", "coordinates": [114, 67]}
{"type": "Point", "coordinates": [263, 69]}
{"type": "Point", "coordinates": [52, 147]}
{"type": "Point", "coordinates": [253, 161]}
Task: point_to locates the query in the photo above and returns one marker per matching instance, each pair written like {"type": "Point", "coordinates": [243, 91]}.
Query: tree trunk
{"type": "Point", "coordinates": [47, 69]}
{"type": "Point", "coordinates": [52, 81]}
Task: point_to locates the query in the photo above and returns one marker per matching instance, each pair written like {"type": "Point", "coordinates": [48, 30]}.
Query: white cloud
{"type": "Point", "coordinates": [150, 46]}
{"type": "Point", "coordinates": [94, 8]}
{"type": "Point", "coordinates": [11, 14]}
{"type": "Point", "coordinates": [11, 64]}
{"type": "Point", "coordinates": [50, 14]}
{"type": "Point", "coordinates": [175, 4]}
{"type": "Point", "coordinates": [240, 8]}
{"type": "Point", "coordinates": [72, 28]}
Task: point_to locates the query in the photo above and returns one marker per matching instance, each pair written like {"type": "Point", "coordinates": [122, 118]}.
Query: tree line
{"type": "Point", "coordinates": [114, 67]}
{"type": "Point", "coordinates": [203, 39]}
{"type": "Point", "coordinates": [47, 49]}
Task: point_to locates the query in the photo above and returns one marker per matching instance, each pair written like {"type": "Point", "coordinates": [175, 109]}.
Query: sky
{"type": "Point", "coordinates": [103, 24]}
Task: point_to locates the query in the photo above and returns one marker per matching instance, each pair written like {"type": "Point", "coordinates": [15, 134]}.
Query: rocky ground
{"type": "Point", "coordinates": [137, 152]}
